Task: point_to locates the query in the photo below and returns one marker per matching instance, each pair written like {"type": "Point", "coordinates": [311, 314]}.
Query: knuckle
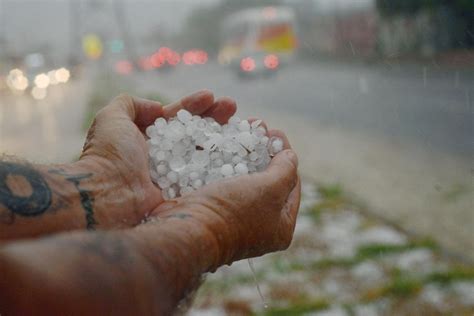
{"type": "Point", "coordinates": [124, 97]}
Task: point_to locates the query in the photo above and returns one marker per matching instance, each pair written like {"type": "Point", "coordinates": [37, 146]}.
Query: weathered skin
{"type": "Point", "coordinates": [141, 269]}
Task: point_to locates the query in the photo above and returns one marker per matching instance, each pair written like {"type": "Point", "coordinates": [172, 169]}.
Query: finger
{"type": "Point", "coordinates": [196, 103]}
{"type": "Point", "coordinates": [262, 124]}
{"type": "Point", "coordinates": [277, 133]}
{"type": "Point", "coordinates": [293, 202]}
{"type": "Point", "coordinates": [281, 175]}
{"type": "Point", "coordinates": [222, 110]}
{"type": "Point", "coordinates": [146, 111]}
{"type": "Point", "coordinates": [140, 111]}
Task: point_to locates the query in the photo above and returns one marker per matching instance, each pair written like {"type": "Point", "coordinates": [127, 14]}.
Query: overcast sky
{"type": "Point", "coordinates": [29, 24]}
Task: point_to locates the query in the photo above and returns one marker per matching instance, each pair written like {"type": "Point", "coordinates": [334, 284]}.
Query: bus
{"type": "Point", "coordinates": [259, 40]}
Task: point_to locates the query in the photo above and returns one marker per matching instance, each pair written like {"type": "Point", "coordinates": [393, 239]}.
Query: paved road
{"type": "Point", "coordinates": [49, 130]}
{"type": "Point", "coordinates": [427, 106]}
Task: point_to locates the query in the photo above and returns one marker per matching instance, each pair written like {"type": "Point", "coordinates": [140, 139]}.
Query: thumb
{"type": "Point", "coordinates": [141, 111]}
{"type": "Point", "coordinates": [282, 174]}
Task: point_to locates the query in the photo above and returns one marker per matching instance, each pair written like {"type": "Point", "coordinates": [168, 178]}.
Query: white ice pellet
{"type": "Point", "coordinates": [241, 168]}
{"type": "Point", "coordinates": [160, 123]}
{"type": "Point", "coordinates": [200, 157]}
{"type": "Point", "coordinates": [173, 176]}
{"type": "Point", "coordinates": [151, 131]}
{"type": "Point", "coordinates": [183, 181]}
{"type": "Point", "coordinates": [184, 116]}
{"type": "Point", "coordinates": [194, 175]}
{"type": "Point", "coordinates": [160, 155]}
{"type": "Point", "coordinates": [227, 170]}
{"type": "Point", "coordinates": [253, 156]}
{"type": "Point", "coordinates": [171, 193]}
{"type": "Point", "coordinates": [177, 164]}
{"type": "Point", "coordinates": [218, 162]}
{"type": "Point", "coordinates": [276, 145]}
{"type": "Point", "coordinates": [164, 182]}
{"type": "Point", "coordinates": [162, 169]}
{"type": "Point", "coordinates": [236, 159]}
{"type": "Point", "coordinates": [187, 152]}
{"type": "Point", "coordinates": [197, 183]}
{"type": "Point", "coordinates": [244, 126]}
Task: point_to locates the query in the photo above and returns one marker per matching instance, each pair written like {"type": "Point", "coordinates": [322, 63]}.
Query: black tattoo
{"type": "Point", "coordinates": [33, 205]}
{"type": "Point", "coordinates": [87, 200]}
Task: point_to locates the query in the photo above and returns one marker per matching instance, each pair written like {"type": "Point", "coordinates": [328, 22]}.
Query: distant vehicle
{"type": "Point", "coordinates": [258, 41]}
{"type": "Point", "coordinates": [256, 64]}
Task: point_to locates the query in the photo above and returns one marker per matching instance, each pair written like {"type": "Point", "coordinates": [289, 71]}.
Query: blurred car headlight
{"type": "Point", "coordinates": [62, 75]}
{"type": "Point", "coordinates": [16, 80]}
{"type": "Point", "coordinates": [42, 81]}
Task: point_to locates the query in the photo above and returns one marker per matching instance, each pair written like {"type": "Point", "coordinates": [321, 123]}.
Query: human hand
{"type": "Point", "coordinates": [116, 150]}
{"type": "Point", "coordinates": [248, 215]}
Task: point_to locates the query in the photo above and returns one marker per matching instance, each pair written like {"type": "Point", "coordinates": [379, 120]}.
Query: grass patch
{"type": "Point", "coordinates": [334, 262]}
{"type": "Point", "coordinates": [283, 266]}
{"type": "Point", "coordinates": [372, 251]}
{"type": "Point", "coordinates": [330, 192]}
{"type": "Point", "coordinates": [403, 286]}
{"type": "Point", "coordinates": [298, 309]}
{"type": "Point", "coordinates": [376, 250]}
{"type": "Point", "coordinates": [331, 199]}
{"type": "Point", "coordinates": [455, 274]}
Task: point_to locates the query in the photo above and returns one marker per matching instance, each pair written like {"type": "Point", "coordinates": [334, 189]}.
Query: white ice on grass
{"type": "Point", "coordinates": [465, 292]}
{"type": "Point", "coordinates": [188, 151]}
{"type": "Point", "coordinates": [382, 235]}
{"type": "Point", "coordinates": [417, 260]}
{"type": "Point", "coordinates": [368, 272]}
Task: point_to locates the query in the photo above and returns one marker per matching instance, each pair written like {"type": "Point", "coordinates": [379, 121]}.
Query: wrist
{"type": "Point", "coordinates": [179, 249]}
{"type": "Point", "coordinates": [106, 199]}
{"type": "Point", "coordinates": [214, 224]}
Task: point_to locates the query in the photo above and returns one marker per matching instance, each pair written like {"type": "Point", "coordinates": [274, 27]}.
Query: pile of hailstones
{"type": "Point", "coordinates": [188, 151]}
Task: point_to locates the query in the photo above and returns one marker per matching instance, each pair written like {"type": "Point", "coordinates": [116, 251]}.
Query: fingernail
{"type": "Point", "coordinates": [292, 156]}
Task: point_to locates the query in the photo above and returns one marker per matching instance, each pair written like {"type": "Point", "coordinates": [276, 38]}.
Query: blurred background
{"type": "Point", "coordinates": [376, 97]}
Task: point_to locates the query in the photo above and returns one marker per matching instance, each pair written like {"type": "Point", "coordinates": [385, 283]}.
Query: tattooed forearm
{"type": "Point", "coordinates": [23, 190]}
{"type": "Point", "coordinates": [87, 199]}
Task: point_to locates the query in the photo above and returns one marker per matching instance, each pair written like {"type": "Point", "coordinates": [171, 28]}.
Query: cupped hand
{"type": "Point", "coordinates": [116, 148]}
{"type": "Point", "coordinates": [248, 215]}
